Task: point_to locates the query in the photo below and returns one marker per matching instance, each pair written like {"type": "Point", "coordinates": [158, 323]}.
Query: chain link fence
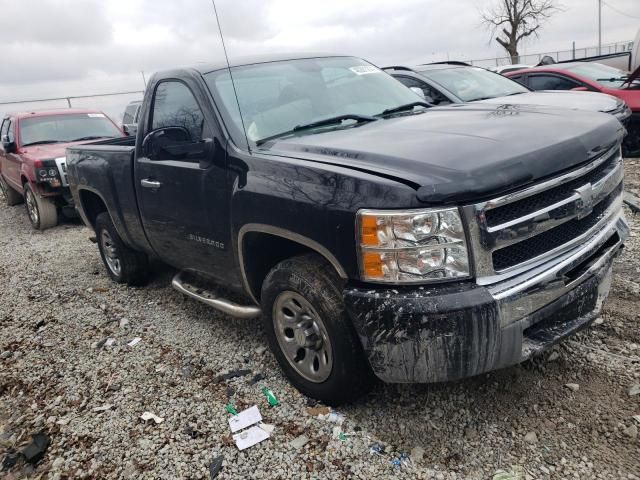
{"type": "Point", "coordinates": [558, 56]}
{"type": "Point", "coordinates": [113, 104]}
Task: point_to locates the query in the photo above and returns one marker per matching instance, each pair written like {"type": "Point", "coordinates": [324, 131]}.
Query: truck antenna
{"type": "Point", "coordinates": [233, 84]}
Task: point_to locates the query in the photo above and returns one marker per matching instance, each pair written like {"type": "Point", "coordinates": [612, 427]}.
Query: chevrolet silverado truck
{"type": "Point", "coordinates": [371, 233]}
{"type": "Point", "coordinates": [32, 161]}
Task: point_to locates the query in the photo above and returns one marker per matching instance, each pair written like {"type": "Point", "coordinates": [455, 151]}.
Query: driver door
{"type": "Point", "coordinates": [181, 182]}
{"type": "Point", "coordinates": [9, 162]}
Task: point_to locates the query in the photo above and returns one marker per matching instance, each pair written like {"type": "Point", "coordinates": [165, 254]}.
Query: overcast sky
{"type": "Point", "coordinates": [56, 48]}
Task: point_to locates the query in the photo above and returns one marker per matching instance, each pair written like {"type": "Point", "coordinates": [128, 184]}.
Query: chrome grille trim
{"type": "Point", "coordinates": [484, 240]}
{"type": "Point", "coordinates": [554, 182]}
{"type": "Point", "coordinates": [61, 162]}
{"type": "Point", "coordinates": [550, 217]}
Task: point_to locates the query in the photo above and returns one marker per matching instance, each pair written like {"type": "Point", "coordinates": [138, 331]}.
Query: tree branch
{"type": "Point", "coordinates": [517, 19]}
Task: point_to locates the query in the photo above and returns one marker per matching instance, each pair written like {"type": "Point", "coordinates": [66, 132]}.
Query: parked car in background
{"type": "Point", "coordinates": [502, 69]}
{"type": "Point", "coordinates": [130, 118]}
{"type": "Point", "coordinates": [455, 83]}
{"type": "Point", "coordinates": [369, 231]}
{"type": "Point", "coordinates": [590, 77]}
{"type": "Point", "coordinates": [32, 158]}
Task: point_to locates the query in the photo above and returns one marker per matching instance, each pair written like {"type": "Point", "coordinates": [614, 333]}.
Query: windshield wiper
{"type": "Point", "coordinates": [405, 107]}
{"type": "Point", "coordinates": [42, 142]}
{"type": "Point", "coordinates": [512, 94]}
{"type": "Point", "coordinates": [480, 98]}
{"type": "Point", "coordinates": [320, 123]}
{"type": "Point", "coordinates": [337, 119]}
{"type": "Point", "coordinates": [90, 137]}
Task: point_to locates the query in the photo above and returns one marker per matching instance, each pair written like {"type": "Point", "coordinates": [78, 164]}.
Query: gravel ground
{"type": "Point", "coordinates": [57, 306]}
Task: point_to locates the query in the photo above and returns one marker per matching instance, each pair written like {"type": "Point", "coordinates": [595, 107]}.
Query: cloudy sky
{"type": "Point", "coordinates": [54, 48]}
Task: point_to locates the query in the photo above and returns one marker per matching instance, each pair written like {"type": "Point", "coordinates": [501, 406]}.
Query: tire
{"type": "Point", "coordinates": [323, 357]}
{"type": "Point", "coordinates": [123, 264]}
{"type": "Point", "coordinates": [8, 195]}
{"type": "Point", "coordinates": [42, 211]}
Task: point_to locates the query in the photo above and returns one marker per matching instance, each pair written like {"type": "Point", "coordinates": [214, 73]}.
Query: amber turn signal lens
{"type": "Point", "coordinates": [372, 265]}
{"type": "Point", "coordinates": [369, 230]}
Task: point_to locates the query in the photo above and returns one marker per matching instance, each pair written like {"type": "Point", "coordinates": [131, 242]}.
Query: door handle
{"type": "Point", "coordinates": [146, 183]}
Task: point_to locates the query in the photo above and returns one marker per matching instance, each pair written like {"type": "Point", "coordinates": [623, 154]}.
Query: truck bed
{"type": "Point", "coordinates": [105, 168]}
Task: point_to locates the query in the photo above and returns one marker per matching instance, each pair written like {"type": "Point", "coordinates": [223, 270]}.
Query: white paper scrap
{"type": "Point", "coordinates": [250, 437]}
{"type": "Point", "coordinates": [267, 427]}
{"type": "Point", "coordinates": [245, 418]}
{"type": "Point", "coordinates": [134, 342]}
{"type": "Point", "coordinates": [151, 416]}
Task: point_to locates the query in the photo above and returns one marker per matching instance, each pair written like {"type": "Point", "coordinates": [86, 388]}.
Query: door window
{"type": "Point", "coordinates": [518, 78]}
{"type": "Point", "coordinates": [175, 106]}
{"type": "Point", "coordinates": [4, 128]}
{"type": "Point", "coordinates": [129, 112]}
{"type": "Point", "coordinates": [428, 90]}
{"type": "Point", "coordinates": [551, 82]}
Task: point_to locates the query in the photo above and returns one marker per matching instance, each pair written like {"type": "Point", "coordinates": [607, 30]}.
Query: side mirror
{"type": "Point", "coordinates": [8, 145]}
{"type": "Point", "coordinates": [125, 129]}
{"type": "Point", "coordinates": [175, 143]}
{"type": "Point", "coordinates": [580, 89]}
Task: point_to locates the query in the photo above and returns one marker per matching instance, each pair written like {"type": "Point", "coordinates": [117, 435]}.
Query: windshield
{"type": "Point", "coordinates": [66, 128]}
{"type": "Point", "coordinates": [472, 83]}
{"type": "Point", "coordinates": [276, 97]}
{"type": "Point", "coordinates": [603, 74]}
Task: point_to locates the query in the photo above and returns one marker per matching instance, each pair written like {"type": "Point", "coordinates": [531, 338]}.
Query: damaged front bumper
{"type": "Point", "coordinates": [451, 331]}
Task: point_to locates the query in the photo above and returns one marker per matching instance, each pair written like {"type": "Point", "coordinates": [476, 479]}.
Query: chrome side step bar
{"type": "Point", "coordinates": [210, 299]}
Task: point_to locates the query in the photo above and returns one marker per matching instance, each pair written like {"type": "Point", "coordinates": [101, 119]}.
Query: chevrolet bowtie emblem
{"type": "Point", "coordinates": [584, 205]}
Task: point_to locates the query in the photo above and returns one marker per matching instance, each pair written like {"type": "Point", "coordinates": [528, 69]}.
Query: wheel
{"type": "Point", "coordinates": [124, 265]}
{"type": "Point", "coordinates": [8, 195]}
{"type": "Point", "coordinates": [310, 333]}
{"type": "Point", "coordinates": [41, 210]}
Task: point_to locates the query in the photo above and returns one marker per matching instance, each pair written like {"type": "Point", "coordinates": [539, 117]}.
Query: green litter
{"type": "Point", "coordinates": [229, 408]}
{"type": "Point", "coordinates": [271, 398]}
{"type": "Point", "coordinates": [516, 473]}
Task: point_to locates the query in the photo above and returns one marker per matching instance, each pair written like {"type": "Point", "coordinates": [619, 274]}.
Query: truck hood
{"type": "Point", "coordinates": [51, 150]}
{"type": "Point", "coordinates": [462, 152]}
{"type": "Point", "coordinates": [594, 101]}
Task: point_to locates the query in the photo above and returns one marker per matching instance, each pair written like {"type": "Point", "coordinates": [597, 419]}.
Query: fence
{"type": "Point", "coordinates": [112, 104]}
{"type": "Point", "coordinates": [558, 56]}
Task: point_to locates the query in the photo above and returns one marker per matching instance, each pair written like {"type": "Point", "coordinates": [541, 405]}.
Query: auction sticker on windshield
{"type": "Point", "coordinates": [96, 115]}
{"type": "Point", "coordinates": [364, 69]}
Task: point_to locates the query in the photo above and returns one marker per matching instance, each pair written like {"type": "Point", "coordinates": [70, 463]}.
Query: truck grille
{"type": "Point", "coordinates": [531, 226]}
{"type": "Point", "coordinates": [527, 205]}
{"type": "Point", "coordinates": [62, 168]}
{"type": "Point", "coordinates": [552, 239]}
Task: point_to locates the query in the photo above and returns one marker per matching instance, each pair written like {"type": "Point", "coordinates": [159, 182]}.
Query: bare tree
{"type": "Point", "coordinates": [513, 20]}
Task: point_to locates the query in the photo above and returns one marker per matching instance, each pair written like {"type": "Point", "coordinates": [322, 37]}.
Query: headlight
{"type": "Point", "coordinates": [47, 172]}
{"type": "Point", "coordinates": [415, 246]}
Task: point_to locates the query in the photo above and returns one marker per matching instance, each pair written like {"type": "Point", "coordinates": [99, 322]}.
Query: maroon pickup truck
{"type": "Point", "coordinates": [32, 158]}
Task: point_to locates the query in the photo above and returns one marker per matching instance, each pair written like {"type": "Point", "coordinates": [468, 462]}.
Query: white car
{"type": "Point", "coordinates": [502, 69]}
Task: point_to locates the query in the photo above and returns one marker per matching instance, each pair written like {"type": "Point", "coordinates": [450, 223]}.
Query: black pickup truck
{"type": "Point", "coordinates": [371, 233]}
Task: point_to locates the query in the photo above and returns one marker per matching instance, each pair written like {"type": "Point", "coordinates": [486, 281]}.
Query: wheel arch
{"type": "Point", "coordinates": [279, 244]}
{"type": "Point", "coordinates": [91, 205]}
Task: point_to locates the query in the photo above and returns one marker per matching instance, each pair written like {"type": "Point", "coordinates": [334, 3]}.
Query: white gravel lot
{"type": "Point", "coordinates": [57, 304]}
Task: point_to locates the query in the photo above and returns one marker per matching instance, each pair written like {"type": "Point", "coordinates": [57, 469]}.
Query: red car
{"type": "Point", "coordinates": [33, 163]}
{"type": "Point", "coordinates": [593, 77]}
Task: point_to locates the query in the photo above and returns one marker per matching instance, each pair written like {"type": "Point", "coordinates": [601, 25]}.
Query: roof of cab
{"type": "Point", "coordinates": [267, 58]}
{"type": "Point", "coordinates": [47, 113]}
